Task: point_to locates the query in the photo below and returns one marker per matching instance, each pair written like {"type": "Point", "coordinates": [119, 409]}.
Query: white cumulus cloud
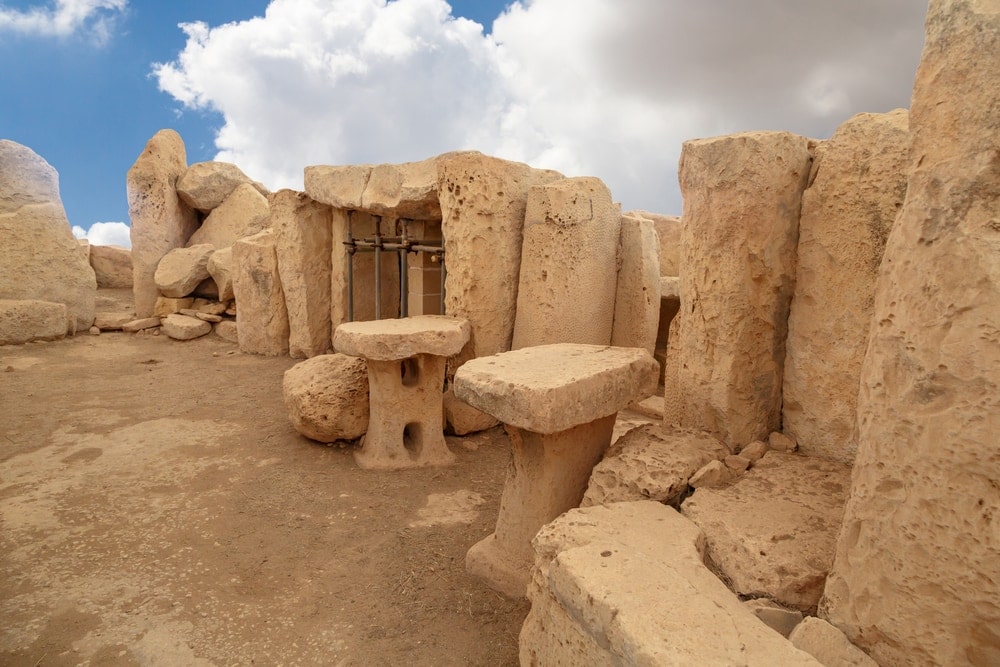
{"type": "Point", "coordinates": [94, 18]}
{"type": "Point", "coordinates": [105, 233]}
{"type": "Point", "coordinates": [588, 87]}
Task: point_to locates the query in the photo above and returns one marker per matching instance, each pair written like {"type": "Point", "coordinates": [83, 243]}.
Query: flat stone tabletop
{"type": "Point", "coordinates": [550, 388]}
{"type": "Point", "coordinates": [395, 339]}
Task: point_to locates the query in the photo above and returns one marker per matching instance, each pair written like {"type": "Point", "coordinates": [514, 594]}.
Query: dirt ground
{"type": "Point", "coordinates": [158, 508]}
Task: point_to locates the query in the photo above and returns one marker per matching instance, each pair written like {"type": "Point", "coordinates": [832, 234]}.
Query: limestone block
{"type": "Point", "coordinates": [135, 326]}
{"type": "Point", "coordinates": [182, 269]}
{"type": "Point", "coordinates": [27, 178]}
{"type": "Point", "coordinates": [327, 397]}
{"type": "Point", "coordinates": [220, 268]}
{"type": "Point", "coordinates": [160, 221]}
{"type": "Point", "coordinates": [712, 475]}
{"type": "Point", "coordinates": [262, 318]}
{"type": "Point", "coordinates": [772, 531]}
{"type": "Point", "coordinates": [550, 388]}
{"type": "Point", "coordinates": [782, 442]}
{"type": "Point", "coordinates": [23, 320]}
{"type": "Point", "coordinates": [166, 305]}
{"type": "Point", "coordinates": [227, 330]}
{"type": "Point", "coordinates": [205, 185]}
{"type": "Point", "coordinates": [392, 340]}
{"type": "Point", "coordinates": [210, 306]}
{"type": "Point", "coordinates": [569, 262]}
{"type": "Point", "coordinates": [739, 229]}
{"type": "Point", "coordinates": [303, 235]}
{"type": "Point", "coordinates": [362, 225]}
{"type": "Point", "coordinates": [112, 265]}
{"type": "Point", "coordinates": [462, 418]}
{"type": "Point", "coordinates": [917, 573]}
{"type": "Point", "coordinates": [407, 190]}
{"type": "Point", "coordinates": [338, 186]}
{"type": "Point", "coordinates": [637, 296]}
{"type": "Point", "coordinates": [778, 618]}
{"type": "Point", "coordinates": [244, 213]}
{"type": "Point", "coordinates": [113, 321]}
{"type": "Point", "coordinates": [625, 584]}
{"type": "Point", "coordinates": [182, 327]}
{"type": "Point", "coordinates": [668, 231]}
{"type": "Point", "coordinates": [754, 451]}
{"type": "Point", "coordinates": [846, 219]}
{"type": "Point", "coordinates": [828, 644]}
{"type": "Point", "coordinates": [648, 463]}
{"type": "Point", "coordinates": [738, 464]}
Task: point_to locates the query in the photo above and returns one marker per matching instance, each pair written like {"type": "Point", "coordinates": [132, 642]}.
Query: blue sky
{"type": "Point", "coordinates": [609, 88]}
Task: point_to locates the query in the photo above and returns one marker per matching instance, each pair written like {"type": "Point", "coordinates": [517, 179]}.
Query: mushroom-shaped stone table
{"type": "Point", "coordinates": [406, 360]}
{"type": "Point", "coordinates": [558, 403]}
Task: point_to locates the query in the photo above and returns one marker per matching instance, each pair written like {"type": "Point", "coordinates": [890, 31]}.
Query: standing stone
{"type": "Point", "coordinates": [740, 225]}
{"type": "Point", "coordinates": [262, 318]}
{"type": "Point", "coordinates": [205, 185]}
{"type": "Point", "coordinates": [244, 213]}
{"type": "Point", "coordinates": [160, 220]}
{"type": "Point", "coordinates": [220, 268]}
{"type": "Point", "coordinates": [637, 297]}
{"type": "Point", "coordinates": [858, 186]}
{"type": "Point", "coordinates": [112, 265]}
{"type": "Point", "coordinates": [916, 579]}
{"type": "Point", "coordinates": [668, 229]}
{"type": "Point", "coordinates": [569, 262]}
{"type": "Point", "coordinates": [303, 234]}
{"type": "Point", "coordinates": [39, 258]}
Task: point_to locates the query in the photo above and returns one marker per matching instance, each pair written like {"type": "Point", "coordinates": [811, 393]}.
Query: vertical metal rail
{"type": "Point", "coordinates": [378, 267]}
{"type": "Point", "coordinates": [351, 248]}
{"type": "Point", "coordinates": [404, 273]}
{"type": "Point", "coordinates": [444, 275]}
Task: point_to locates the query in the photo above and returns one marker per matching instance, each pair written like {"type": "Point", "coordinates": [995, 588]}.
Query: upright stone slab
{"type": "Point", "coordinates": [244, 213]}
{"type": "Point", "coordinates": [637, 296]}
{"type": "Point", "coordinates": [569, 262]}
{"type": "Point", "coordinates": [303, 233]}
{"type": "Point", "coordinates": [261, 315]}
{"type": "Point", "coordinates": [160, 220]}
{"type": "Point", "coordinates": [916, 579]}
{"type": "Point", "coordinates": [39, 258]}
{"type": "Point", "coordinates": [112, 265]}
{"type": "Point", "coordinates": [740, 225]}
{"type": "Point", "coordinates": [205, 185]}
{"type": "Point", "coordinates": [857, 189]}
{"type": "Point", "coordinates": [668, 229]}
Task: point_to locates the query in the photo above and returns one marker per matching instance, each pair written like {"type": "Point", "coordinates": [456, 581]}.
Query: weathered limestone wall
{"type": "Point", "coordinates": [261, 316]}
{"type": "Point", "coordinates": [916, 579]}
{"type": "Point", "coordinates": [742, 196]}
{"type": "Point", "coordinates": [569, 264]}
{"type": "Point", "coordinates": [858, 185]}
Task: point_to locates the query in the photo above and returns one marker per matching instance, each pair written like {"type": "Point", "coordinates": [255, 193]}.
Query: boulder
{"type": "Point", "coordinates": [182, 269]}
{"type": "Point", "coordinates": [244, 213]}
{"type": "Point", "coordinates": [24, 320]}
{"type": "Point", "coordinates": [41, 261]}
{"type": "Point", "coordinates": [637, 295]}
{"type": "Point", "coordinates": [166, 305]}
{"type": "Point", "coordinates": [262, 318]}
{"type": "Point", "coordinates": [220, 268]}
{"type": "Point", "coordinates": [739, 229]}
{"type": "Point", "coordinates": [569, 264]}
{"type": "Point", "coordinates": [303, 235]}
{"type": "Point", "coordinates": [136, 326]}
{"type": "Point", "coordinates": [205, 185]}
{"type": "Point", "coordinates": [917, 573]}
{"type": "Point", "coordinates": [828, 644]}
{"type": "Point", "coordinates": [227, 330]}
{"type": "Point", "coordinates": [407, 190]}
{"type": "Point", "coordinates": [341, 187]}
{"type": "Point", "coordinates": [182, 327]}
{"type": "Point", "coordinates": [160, 221]}
{"type": "Point", "coordinates": [327, 397]}
{"type": "Point", "coordinates": [846, 219]}
{"type": "Point", "coordinates": [112, 265]}
{"type": "Point", "coordinates": [648, 463]}
{"type": "Point", "coordinates": [771, 532]}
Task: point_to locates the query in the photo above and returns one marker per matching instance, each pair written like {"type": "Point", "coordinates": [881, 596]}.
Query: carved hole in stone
{"type": "Point", "coordinates": [413, 438]}
{"type": "Point", "coordinates": [409, 371]}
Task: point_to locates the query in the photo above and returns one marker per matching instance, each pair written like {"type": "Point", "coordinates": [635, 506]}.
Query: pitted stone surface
{"type": "Point", "coordinates": [551, 388]}
{"type": "Point", "coordinates": [182, 269]}
{"type": "Point", "coordinates": [25, 320]}
{"type": "Point", "coordinates": [396, 339]}
{"type": "Point", "coordinates": [327, 397]}
{"type": "Point", "coordinates": [339, 186]}
{"type": "Point", "coordinates": [637, 298]}
{"type": "Point", "coordinates": [205, 185]}
{"type": "Point", "coordinates": [245, 212]}
{"type": "Point", "coordinates": [407, 190]}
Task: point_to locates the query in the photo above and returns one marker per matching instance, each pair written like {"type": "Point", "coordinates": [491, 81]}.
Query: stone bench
{"type": "Point", "coordinates": [558, 403]}
{"type": "Point", "coordinates": [406, 363]}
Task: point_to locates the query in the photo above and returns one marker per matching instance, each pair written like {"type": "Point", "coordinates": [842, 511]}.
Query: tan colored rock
{"type": "Point", "coordinates": [85, 248]}
{"type": "Point", "coordinates": [112, 265]}
{"type": "Point", "coordinates": [40, 259]}
{"type": "Point", "coordinates": [142, 324]}
{"type": "Point", "coordinates": [740, 225]}
{"type": "Point", "coordinates": [327, 397]}
{"type": "Point", "coordinates": [637, 296]}
{"type": "Point", "coordinates": [670, 287]}
{"type": "Point", "coordinates": [754, 451]}
{"type": "Point", "coordinates": [361, 225]}
{"type": "Point", "coordinates": [262, 318]}
{"type": "Point", "coordinates": [166, 305]}
{"type": "Point", "coordinates": [917, 572]}
{"type": "Point", "coordinates": [828, 644]}
{"type": "Point", "coordinates": [668, 231]}
{"type": "Point", "coordinates": [782, 442]}
{"type": "Point", "coordinates": [220, 268]}
{"type": "Point", "coordinates": [776, 617]}
{"type": "Point", "coordinates": [857, 189]}
{"type": "Point", "coordinates": [738, 464]}
{"type": "Point", "coordinates": [206, 185]}
{"type": "Point", "coordinates": [569, 261]}
{"type": "Point", "coordinates": [625, 584]}
{"type": "Point", "coordinates": [182, 327]}
{"type": "Point", "coordinates": [210, 306]}
{"type": "Point", "coordinates": [712, 475]}
{"type": "Point", "coordinates": [244, 213]}
{"type": "Point", "coordinates": [182, 269]}
{"type": "Point", "coordinates": [24, 320]}
{"type": "Point", "coordinates": [227, 330]}
{"type": "Point", "coordinates": [407, 190]}
{"type": "Point", "coordinates": [160, 221]}
{"type": "Point", "coordinates": [303, 235]}
{"type": "Point", "coordinates": [395, 339]}
{"type": "Point", "coordinates": [341, 187]}
{"type": "Point", "coordinates": [648, 463]}
{"type": "Point", "coordinates": [771, 532]}
{"type": "Point", "coordinates": [113, 321]}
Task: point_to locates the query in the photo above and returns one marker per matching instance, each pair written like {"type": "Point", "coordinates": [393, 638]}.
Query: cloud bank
{"type": "Point", "coordinates": [94, 18]}
{"type": "Point", "coordinates": [588, 87]}
{"type": "Point", "coordinates": [105, 233]}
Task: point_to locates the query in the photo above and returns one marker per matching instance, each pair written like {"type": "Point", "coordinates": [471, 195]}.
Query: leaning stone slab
{"type": "Point", "coordinates": [637, 296]}
{"type": "Point", "coordinates": [262, 317]}
{"type": "Point", "coordinates": [649, 463]}
{"type": "Point", "coordinates": [182, 327]}
{"type": "Point", "coordinates": [112, 265]}
{"type": "Point", "coordinates": [626, 584]}
{"type": "Point", "coordinates": [182, 269]}
{"type": "Point", "coordinates": [205, 185]}
{"type": "Point", "coordinates": [244, 213]}
{"type": "Point", "coordinates": [24, 320]}
{"type": "Point", "coordinates": [772, 532]}
{"type": "Point", "coordinates": [828, 644]}
{"type": "Point", "coordinates": [327, 397]}
{"type": "Point", "coordinates": [220, 268]}
{"type": "Point", "coordinates": [141, 324]}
